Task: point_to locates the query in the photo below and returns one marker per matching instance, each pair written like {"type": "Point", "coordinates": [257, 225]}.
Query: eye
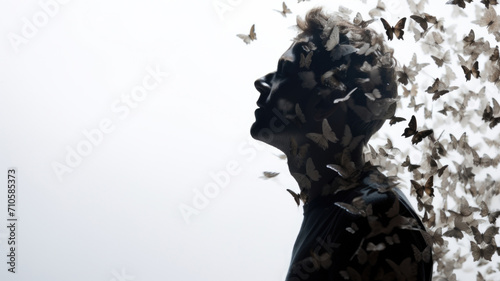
{"type": "Point", "coordinates": [286, 68]}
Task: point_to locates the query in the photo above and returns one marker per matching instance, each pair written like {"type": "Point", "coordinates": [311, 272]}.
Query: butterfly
{"type": "Point", "coordinates": [484, 161]}
{"type": "Point", "coordinates": [305, 61]}
{"type": "Point", "coordinates": [296, 196]}
{"type": "Point", "coordinates": [408, 164]}
{"type": "Point", "coordinates": [415, 65]}
{"type": "Point", "coordinates": [474, 71]}
{"type": "Point", "coordinates": [416, 8]}
{"type": "Point", "coordinates": [322, 139]}
{"type": "Point", "coordinates": [250, 37]}
{"type": "Point", "coordinates": [490, 20]}
{"type": "Point", "coordinates": [478, 252]}
{"type": "Point", "coordinates": [394, 30]}
{"type": "Point", "coordinates": [424, 205]}
{"type": "Point", "coordinates": [333, 39]}
{"type": "Point", "coordinates": [424, 20]}
{"type": "Point", "coordinates": [376, 12]}
{"type": "Point", "coordinates": [412, 92]}
{"type": "Point", "coordinates": [446, 58]}
{"type": "Point", "coordinates": [495, 55]}
{"type": "Point", "coordinates": [492, 216]}
{"type": "Point", "coordinates": [375, 247]}
{"type": "Point", "coordinates": [358, 20]}
{"type": "Point", "coordinates": [395, 119]}
{"type": "Point", "coordinates": [349, 141]}
{"type": "Point", "coordinates": [427, 187]}
{"type": "Point", "coordinates": [269, 175]}
{"type": "Point", "coordinates": [424, 255]}
{"type": "Point", "coordinates": [457, 229]}
{"type": "Point", "coordinates": [406, 75]}
{"type": "Point", "coordinates": [284, 10]}
{"type": "Point", "coordinates": [460, 3]}
{"type": "Point", "coordinates": [413, 104]}
{"type": "Point", "coordinates": [390, 146]}
{"type": "Point", "coordinates": [470, 39]}
{"type": "Point", "coordinates": [441, 170]}
{"type": "Point", "coordinates": [485, 237]}
{"type": "Point", "coordinates": [391, 240]}
{"type": "Point", "coordinates": [465, 209]}
{"type": "Point", "coordinates": [439, 88]}
{"type": "Point", "coordinates": [311, 174]}
{"type": "Point", "coordinates": [411, 130]}
{"type": "Point", "coordinates": [436, 236]}
{"type": "Point", "coordinates": [487, 3]}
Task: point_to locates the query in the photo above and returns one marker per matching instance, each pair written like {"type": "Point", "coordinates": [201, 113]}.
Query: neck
{"type": "Point", "coordinates": [319, 172]}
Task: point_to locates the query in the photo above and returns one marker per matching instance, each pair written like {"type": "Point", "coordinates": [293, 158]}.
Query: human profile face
{"type": "Point", "coordinates": [288, 102]}
{"type": "Point", "coordinates": [279, 92]}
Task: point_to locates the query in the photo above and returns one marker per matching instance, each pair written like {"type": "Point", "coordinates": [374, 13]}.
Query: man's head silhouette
{"type": "Point", "coordinates": [332, 90]}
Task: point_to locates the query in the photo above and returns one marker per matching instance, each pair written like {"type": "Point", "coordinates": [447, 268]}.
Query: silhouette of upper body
{"type": "Point", "coordinates": [332, 90]}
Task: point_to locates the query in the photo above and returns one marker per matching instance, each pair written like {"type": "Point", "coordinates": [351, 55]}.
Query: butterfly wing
{"type": "Point", "coordinates": [296, 197]}
{"type": "Point", "coordinates": [418, 188]}
{"type": "Point", "coordinates": [245, 38]}
{"type": "Point", "coordinates": [328, 133]}
{"type": "Point", "coordinates": [419, 136]}
{"type": "Point", "coordinates": [252, 35]}
{"type": "Point", "coordinates": [412, 127]}
{"type": "Point", "coordinates": [311, 171]}
{"type": "Point", "coordinates": [333, 40]}
{"type": "Point", "coordinates": [388, 29]}
{"type": "Point", "coordinates": [398, 28]}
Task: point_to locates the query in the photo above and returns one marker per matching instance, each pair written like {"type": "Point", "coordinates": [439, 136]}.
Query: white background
{"type": "Point", "coordinates": [116, 215]}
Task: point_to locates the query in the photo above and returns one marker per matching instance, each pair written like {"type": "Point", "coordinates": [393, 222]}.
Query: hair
{"type": "Point", "coordinates": [360, 62]}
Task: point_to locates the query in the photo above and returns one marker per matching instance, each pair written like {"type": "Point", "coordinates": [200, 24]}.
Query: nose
{"type": "Point", "coordinates": [263, 84]}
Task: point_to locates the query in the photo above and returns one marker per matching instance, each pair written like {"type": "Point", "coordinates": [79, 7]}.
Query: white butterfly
{"type": "Point", "coordinates": [250, 37]}
{"type": "Point", "coordinates": [333, 39]}
{"type": "Point", "coordinates": [322, 139]}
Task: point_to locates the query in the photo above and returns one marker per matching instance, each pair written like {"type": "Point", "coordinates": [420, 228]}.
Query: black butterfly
{"type": "Point", "coordinates": [460, 3]}
{"type": "Point", "coordinates": [474, 71]}
{"type": "Point", "coordinates": [408, 164]}
{"type": "Point", "coordinates": [412, 131]}
{"type": "Point", "coordinates": [494, 57]}
{"type": "Point", "coordinates": [427, 187]}
{"type": "Point", "coordinates": [394, 30]}
{"type": "Point", "coordinates": [395, 119]}
{"type": "Point", "coordinates": [487, 3]}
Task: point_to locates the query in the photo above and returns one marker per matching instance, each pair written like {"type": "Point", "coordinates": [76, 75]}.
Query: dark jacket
{"type": "Point", "coordinates": [367, 232]}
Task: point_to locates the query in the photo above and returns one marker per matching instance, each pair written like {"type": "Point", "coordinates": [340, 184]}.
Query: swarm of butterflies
{"type": "Point", "coordinates": [447, 136]}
